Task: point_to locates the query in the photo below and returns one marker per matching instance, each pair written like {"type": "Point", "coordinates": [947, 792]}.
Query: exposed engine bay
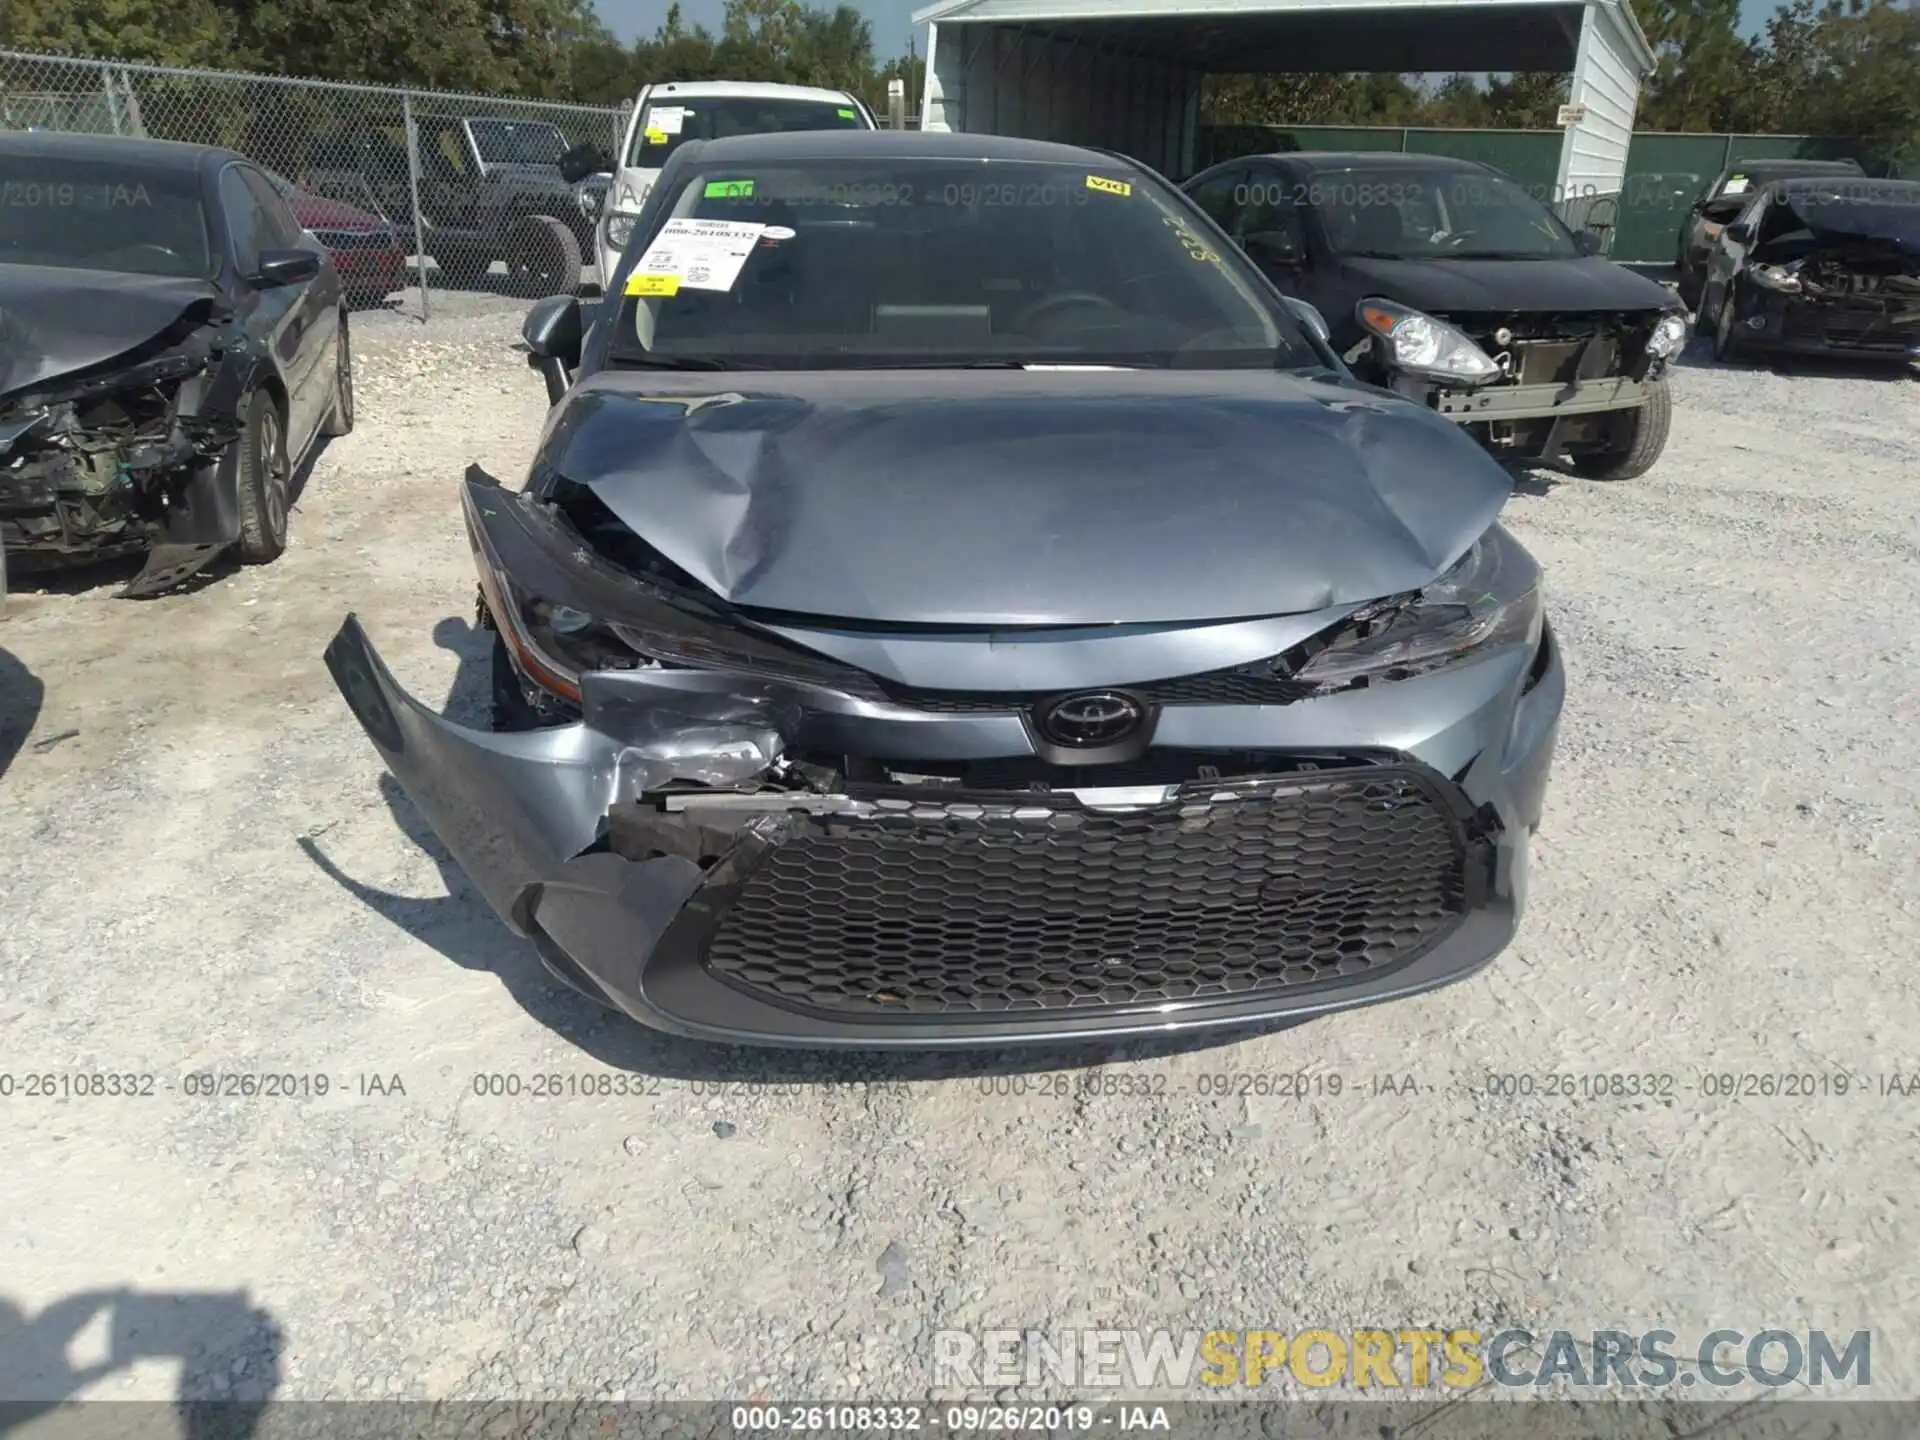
{"type": "Point", "coordinates": [119, 458]}
{"type": "Point", "coordinates": [1837, 275]}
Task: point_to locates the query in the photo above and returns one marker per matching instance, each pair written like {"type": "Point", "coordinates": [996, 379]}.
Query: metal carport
{"type": "Point", "coordinates": [1125, 74]}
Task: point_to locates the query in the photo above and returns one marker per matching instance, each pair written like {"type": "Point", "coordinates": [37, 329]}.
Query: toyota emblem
{"type": "Point", "coordinates": [1099, 717]}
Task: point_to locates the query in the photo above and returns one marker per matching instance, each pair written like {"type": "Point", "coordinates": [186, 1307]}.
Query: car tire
{"type": "Point", "coordinates": [1726, 349]}
{"type": "Point", "coordinates": [340, 412]}
{"type": "Point", "coordinates": [1644, 438]}
{"type": "Point", "coordinates": [265, 480]}
{"type": "Point", "coordinates": [543, 258]}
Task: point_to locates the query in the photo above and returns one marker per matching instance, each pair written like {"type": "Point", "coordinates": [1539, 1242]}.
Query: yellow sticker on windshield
{"type": "Point", "coordinates": [1109, 187]}
{"type": "Point", "coordinates": [656, 137]}
{"type": "Point", "coordinates": [653, 285]}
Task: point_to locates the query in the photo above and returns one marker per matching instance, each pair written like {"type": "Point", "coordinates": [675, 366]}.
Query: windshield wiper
{"type": "Point", "coordinates": [676, 362]}
{"type": "Point", "coordinates": [1499, 255]}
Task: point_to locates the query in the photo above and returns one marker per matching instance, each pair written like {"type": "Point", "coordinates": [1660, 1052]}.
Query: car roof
{"type": "Point", "coordinates": [1315, 161]}
{"type": "Point", "coordinates": [1787, 162]}
{"type": "Point", "coordinates": [1871, 190]}
{"type": "Point", "coordinates": [893, 145]}
{"type": "Point", "coordinates": [116, 149]}
{"type": "Point", "coordinates": [750, 89]}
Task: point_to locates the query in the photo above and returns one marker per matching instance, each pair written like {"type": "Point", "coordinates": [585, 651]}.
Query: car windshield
{"type": "Point", "coordinates": [102, 215]}
{"type": "Point", "coordinates": [1415, 213]}
{"type": "Point", "coordinates": [668, 124]}
{"type": "Point", "coordinates": [804, 265]}
{"type": "Point", "coordinates": [518, 142]}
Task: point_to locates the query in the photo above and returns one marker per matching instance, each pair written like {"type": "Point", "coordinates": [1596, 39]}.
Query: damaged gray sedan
{"type": "Point", "coordinates": [172, 343]}
{"type": "Point", "coordinates": [958, 601]}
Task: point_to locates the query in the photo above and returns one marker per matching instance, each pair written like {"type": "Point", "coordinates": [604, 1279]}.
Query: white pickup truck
{"type": "Point", "coordinates": [668, 115]}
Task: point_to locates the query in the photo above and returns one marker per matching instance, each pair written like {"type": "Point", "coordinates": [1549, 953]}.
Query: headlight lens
{"type": "Point", "coordinates": [1669, 337]}
{"type": "Point", "coordinates": [1775, 277]}
{"type": "Point", "coordinates": [1490, 597]}
{"type": "Point", "coordinates": [1425, 345]}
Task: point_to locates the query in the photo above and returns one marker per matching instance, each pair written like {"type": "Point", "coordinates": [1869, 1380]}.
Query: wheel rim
{"type": "Point", "coordinates": [273, 461]}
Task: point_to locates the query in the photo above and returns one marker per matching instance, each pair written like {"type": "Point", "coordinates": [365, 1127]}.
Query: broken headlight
{"type": "Point", "coordinates": [1775, 277]}
{"type": "Point", "coordinates": [1490, 597]}
{"type": "Point", "coordinates": [1422, 345]}
{"type": "Point", "coordinates": [1669, 336]}
{"type": "Point", "coordinates": [561, 622]}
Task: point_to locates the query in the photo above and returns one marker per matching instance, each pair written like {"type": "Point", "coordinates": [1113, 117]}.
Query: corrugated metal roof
{"type": "Point", "coordinates": [1244, 36]}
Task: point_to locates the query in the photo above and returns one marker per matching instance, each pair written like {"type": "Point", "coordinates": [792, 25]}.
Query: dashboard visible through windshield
{"type": "Point", "coordinates": [1424, 214]}
{"type": "Point", "coordinates": [920, 261]}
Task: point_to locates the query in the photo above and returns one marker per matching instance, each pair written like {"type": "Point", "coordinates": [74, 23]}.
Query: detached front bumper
{"type": "Point", "coordinates": [903, 915]}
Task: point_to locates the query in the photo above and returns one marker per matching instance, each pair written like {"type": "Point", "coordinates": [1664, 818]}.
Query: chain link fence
{"type": "Point", "coordinates": [415, 192]}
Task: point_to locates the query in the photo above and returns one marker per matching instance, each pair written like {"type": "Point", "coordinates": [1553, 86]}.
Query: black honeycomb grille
{"type": "Point", "coordinates": [1226, 892]}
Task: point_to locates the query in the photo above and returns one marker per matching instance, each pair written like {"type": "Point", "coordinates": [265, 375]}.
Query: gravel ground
{"type": "Point", "coordinates": [206, 869]}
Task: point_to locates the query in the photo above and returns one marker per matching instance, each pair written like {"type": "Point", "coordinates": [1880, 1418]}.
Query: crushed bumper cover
{"type": "Point", "coordinates": [897, 916]}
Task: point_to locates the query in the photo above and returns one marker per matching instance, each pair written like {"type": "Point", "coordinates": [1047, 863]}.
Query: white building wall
{"type": "Point", "coordinates": [1606, 83]}
{"type": "Point", "coordinates": [993, 79]}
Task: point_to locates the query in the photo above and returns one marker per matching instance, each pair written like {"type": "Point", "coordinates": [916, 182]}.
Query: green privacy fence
{"type": "Point", "coordinates": [1664, 171]}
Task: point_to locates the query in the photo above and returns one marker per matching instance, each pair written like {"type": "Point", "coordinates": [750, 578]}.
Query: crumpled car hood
{"type": "Point", "coordinates": [1511, 286]}
{"type": "Point", "coordinates": [1010, 498]}
{"type": "Point", "coordinates": [54, 322]}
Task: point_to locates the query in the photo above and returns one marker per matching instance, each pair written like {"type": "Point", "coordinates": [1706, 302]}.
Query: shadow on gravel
{"type": "Point", "coordinates": [1700, 356]}
{"type": "Point", "coordinates": [21, 695]}
{"type": "Point", "coordinates": [229, 1352]}
{"type": "Point", "coordinates": [465, 930]}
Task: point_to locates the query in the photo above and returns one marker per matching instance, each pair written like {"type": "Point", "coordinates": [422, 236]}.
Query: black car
{"type": "Point", "coordinates": [1820, 267]}
{"type": "Point", "coordinates": [1722, 201]}
{"type": "Point", "coordinates": [1449, 283]}
{"type": "Point", "coordinates": [173, 344]}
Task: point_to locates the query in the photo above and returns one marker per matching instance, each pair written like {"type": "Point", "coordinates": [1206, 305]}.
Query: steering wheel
{"type": "Point", "coordinates": [1065, 300]}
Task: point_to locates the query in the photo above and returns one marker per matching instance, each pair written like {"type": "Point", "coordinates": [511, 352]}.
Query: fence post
{"type": "Point", "coordinates": [130, 97]}
{"type": "Point", "coordinates": [113, 100]}
{"type": "Point", "coordinates": [413, 192]}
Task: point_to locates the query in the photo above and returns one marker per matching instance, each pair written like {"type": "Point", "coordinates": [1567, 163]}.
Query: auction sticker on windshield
{"type": "Point", "coordinates": [653, 285]}
{"type": "Point", "coordinates": [701, 254]}
{"type": "Point", "coordinates": [1109, 187]}
{"type": "Point", "coordinates": [667, 119]}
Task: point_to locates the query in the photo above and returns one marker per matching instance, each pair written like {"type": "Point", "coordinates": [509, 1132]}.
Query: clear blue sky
{"type": "Point", "coordinates": [630, 19]}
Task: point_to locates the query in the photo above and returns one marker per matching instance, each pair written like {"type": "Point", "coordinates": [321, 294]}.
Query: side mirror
{"type": "Point", "coordinates": [1311, 318]}
{"type": "Point", "coordinates": [1590, 242]}
{"type": "Point", "coordinates": [285, 267]}
{"type": "Point", "coordinates": [553, 332]}
{"type": "Point", "coordinates": [584, 160]}
{"type": "Point", "coordinates": [1273, 247]}
{"type": "Point", "coordinates": [1739, 232]}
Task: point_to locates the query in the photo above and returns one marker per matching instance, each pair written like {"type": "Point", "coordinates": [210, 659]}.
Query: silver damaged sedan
{"type": "Point", "coordinates": [958, 601]}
